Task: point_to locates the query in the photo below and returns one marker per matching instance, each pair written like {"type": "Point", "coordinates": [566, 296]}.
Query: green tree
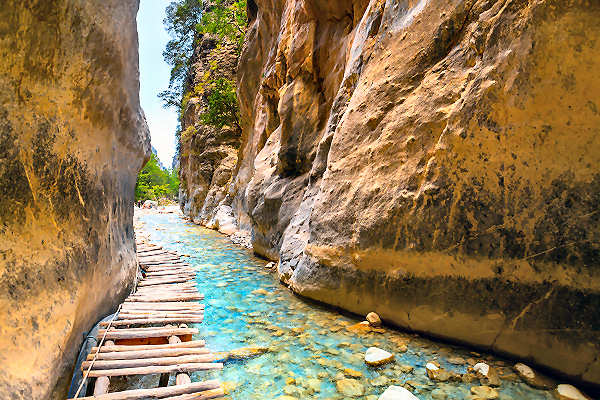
{"type": "Point", "coordinates": [222, 108]}
{"type": "Point", "coordinates": [155, 182]}
{"type": "Point", "coordinates": [181, 19]}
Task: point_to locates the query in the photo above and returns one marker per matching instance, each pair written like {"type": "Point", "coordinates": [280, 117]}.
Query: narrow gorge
{"type": "Point", "coordinates": [429, 166]}
{"type": "Point", "coordinates": [433, 161]}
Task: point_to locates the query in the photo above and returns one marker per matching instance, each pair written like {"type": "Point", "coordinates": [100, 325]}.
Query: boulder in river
{"type": "Point", "coordinates": [569, 392]}
{"type": "Point", "coordinates": [486, 374]}
{"type": "Point", "coordinates": [533, 378]}
{"type": "Point", "coordinates": [376, 356]}
{"type": "Point", "coordinates": [374, 319]}
{"type": "Point", "coordinates": [397, 393]}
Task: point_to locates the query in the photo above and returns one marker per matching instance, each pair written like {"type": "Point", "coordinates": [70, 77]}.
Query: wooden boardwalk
{"type": "Point", "coordinates": [150, 335]}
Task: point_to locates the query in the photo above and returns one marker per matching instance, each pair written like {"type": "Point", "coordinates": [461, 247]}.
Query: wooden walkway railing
{"type": "Point", "coordinates": [150, 335]}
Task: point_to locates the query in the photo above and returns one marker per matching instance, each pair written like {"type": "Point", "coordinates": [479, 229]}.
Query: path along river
{"type": "Point", "coordinates": [310, 347]}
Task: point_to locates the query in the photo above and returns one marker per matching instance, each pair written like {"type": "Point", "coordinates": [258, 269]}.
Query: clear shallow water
{"type": "Point", "coordinates": [309, 345]}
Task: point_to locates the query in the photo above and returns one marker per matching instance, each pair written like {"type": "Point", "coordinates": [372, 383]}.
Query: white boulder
{"type": "Point", "coordinates": [376, 356]}
{"type": "Point", "coordinates": [397, 393]}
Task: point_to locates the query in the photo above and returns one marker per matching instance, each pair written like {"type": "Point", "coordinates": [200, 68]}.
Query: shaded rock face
{"type": "Point", "coordinates": [72, 139]}
{"type": "Point", "coordinates": [433, 161]}
{"type": "Point", "coordinates": [208, 155]}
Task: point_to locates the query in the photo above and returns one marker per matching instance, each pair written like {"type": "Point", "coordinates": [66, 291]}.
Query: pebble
{"type": "Point", "coordinates": [350, 387]}
{"type": "Point", "coordinates": [352, 373]}
{"type": "Point", "coordinates": [484, 392]}
{"type": "Point", "coordinates": [376, 356]}
{"type": "Point", "coordinates": [397, 393]}
{"type": "Point", "coordinates": [379, 381]}
{"type": "Point", "coordinates": [569, 392]}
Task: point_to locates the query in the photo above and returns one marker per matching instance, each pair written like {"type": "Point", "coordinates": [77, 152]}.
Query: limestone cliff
{"type": "Point", "coordinates": [207, 154]}
{"type": "Point", "coordinates": [72, 139]}
{"type": "Point", "coordinates": [434, 161]}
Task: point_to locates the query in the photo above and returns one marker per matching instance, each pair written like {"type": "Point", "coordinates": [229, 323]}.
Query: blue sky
{"type": "Point", "coordinates": [154, 77]}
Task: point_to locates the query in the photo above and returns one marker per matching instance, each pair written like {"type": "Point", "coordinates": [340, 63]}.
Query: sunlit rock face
{"type": "Point", "coordinates": [436, 162]}
{"type": "Point", "coordinates": [72, 138]}
{"type": "Point", "coordinates": [208, 155]}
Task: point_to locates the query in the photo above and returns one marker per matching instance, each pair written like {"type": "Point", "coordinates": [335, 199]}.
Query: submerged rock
{"type": "Point", "coordinates": [350, 387]}
{"type": "Point", "coordinates": [247, 352]}
{"type": "Point", "coordinates": [375, 356]}
{"type": "Point", "coordinates": [434, 372]}
{"type": "Point", "coordinates": [397, 393]}
{"type": "Point", "coordinates": [484, 392]}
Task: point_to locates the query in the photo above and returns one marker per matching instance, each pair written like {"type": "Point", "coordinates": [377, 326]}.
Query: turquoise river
{"type": "Point", "coordinates": [313, 352]}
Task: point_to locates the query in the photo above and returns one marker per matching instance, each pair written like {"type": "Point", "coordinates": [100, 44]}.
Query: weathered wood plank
{"type": "Point", "coordinates": [150, 353]}
{"type": "Point", "coordinates": [148, 362]}
{"type": "Point", "coordinates": [157, 393]}
{"type": "Point", "coordinates": [156, 369]}
{"type": "Point", "coordinates": [146, 321]}
{"type": "Point", "coordinates": [135, 333]}
{"type": "Point", "coordinates": [114, 348]}
{"type": "Point", "coordinates": [209, 394]}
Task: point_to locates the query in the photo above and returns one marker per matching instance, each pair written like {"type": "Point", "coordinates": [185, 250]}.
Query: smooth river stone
{"type": "Point", "coordinates": [569, 392]}
{"type": "Point", "coordinates": [397, 393]}
{"type": "Point", "coordinates": [376, 356]}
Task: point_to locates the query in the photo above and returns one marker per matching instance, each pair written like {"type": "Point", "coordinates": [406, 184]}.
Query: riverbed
{"type": "Point", "coordinates": [310, 347]}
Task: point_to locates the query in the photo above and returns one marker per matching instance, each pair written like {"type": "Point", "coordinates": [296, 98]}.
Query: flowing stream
{"type": "Point", "coordinates": [310, 348]}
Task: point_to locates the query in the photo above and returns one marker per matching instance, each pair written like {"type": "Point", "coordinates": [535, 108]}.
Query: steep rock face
{"type": "Point", "coordinates": [208, 155]}
{"type": "Point", "coordinates": [434, 161]}
{"type": "Point", "coordinates": [72, 139]}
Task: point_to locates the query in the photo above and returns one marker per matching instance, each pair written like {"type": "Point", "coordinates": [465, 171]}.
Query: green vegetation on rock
{"type": "Point", "coordinates": [155, 182]}
{"type": "Point", "coordinates": [187, 21]}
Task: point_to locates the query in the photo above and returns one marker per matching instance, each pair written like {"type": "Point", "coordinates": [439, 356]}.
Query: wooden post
{"type": "Point", "coordinates": [181, 378]}
{"type": "Point", "coordinates": [103, 382]}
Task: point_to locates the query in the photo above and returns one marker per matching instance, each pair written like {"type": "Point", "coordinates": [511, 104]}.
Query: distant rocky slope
{"type": "Point", "coordinates": [437, 162]}
{"type": "Point", "coordinates": [72, 139]}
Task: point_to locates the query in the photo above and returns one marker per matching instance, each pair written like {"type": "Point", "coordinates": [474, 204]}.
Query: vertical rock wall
{"type": "Point", "coordinates": [72, 139]}
{"type": "Point", "coordinates": [208, 155]}
{"type": "Point", "coordinates": [434, 161]}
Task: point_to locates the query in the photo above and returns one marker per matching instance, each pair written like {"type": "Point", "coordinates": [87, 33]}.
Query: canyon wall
{"type": "Point", "coordinates": [437, 162]}
{"type": "Point", "coordinates": [72, 139]}
{"type": "Point", "coordinates": [208, 154]}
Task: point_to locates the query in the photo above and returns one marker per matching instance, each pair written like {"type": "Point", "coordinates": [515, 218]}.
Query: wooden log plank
{"type": "Point", "coordinates": [156, 332]}
{"type": "Point", "coordinates": [157, 393]}
{"type": "Point", "coordinates": [208, 394]}
{"type": "Point", "coordinates": [162, 317]}
{"type": "Point", "coordinates": [157, 262]}
{"type": "Point", "coordinates": [152, 353]}
{"type": "Point", "coordinates": [174, 271]}
{"type": "Point", "coordinates": [154, 282]}
{"type": "Point", "coordinates": [156, 369]}
{"type": "Point", "coordinates": [161, 307]}
{"type": "Point", "coordinates": [148, 362]}
{"type": "Point", "coordinates": [147, 321]}
{"type": "Point", "coordinates": [182, 311]}
{"type": "Point", "coordinates": [159, 299]}
{"type": "Point", "coordinates": [114, 348]}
